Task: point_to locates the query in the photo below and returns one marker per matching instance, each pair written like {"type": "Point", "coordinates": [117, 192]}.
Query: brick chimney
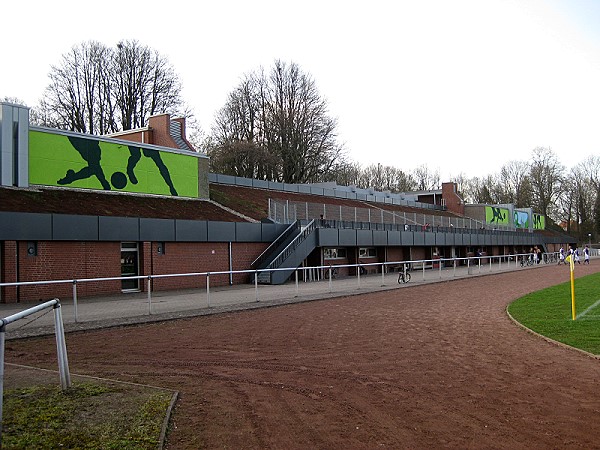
{"type": "Point", "coordinates": [161, 130]}
{"type": "Point", "coordinates": [451, 199]}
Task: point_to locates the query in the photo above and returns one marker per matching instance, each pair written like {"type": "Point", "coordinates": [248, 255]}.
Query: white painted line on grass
{"type": "Point", "coordinates": [587, 310]}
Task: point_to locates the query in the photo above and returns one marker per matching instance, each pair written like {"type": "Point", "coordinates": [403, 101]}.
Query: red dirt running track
{"type": "Point", "coordinates": [432, 366]}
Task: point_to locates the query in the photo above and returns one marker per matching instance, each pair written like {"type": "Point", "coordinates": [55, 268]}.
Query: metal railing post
{"type": "Point", "coordinates": [75, 300]}
{"type": "Point", "coordinates": [256, 285]}
{"type": "Point", "coordinates": [296, 279]}
{"type": "Point", "coordinates": [330, 277]}
{"type": "Point", "coordinates": [383, 274]}
{"type": "Point", "coordinates": [61, 349]}
{"type": "Point", "coordinates": [208, 289]}
{"type": "Point", "coordinates": [149, 294]}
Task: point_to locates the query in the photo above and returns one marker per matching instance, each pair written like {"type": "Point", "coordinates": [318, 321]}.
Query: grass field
{"type": "Point", "coordinates": [549, 313]}
{"type": "Point", "coordinates": [91, 414]}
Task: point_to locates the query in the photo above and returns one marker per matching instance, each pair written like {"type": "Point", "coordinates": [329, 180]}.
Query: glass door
{"type": "Point", "coordinates": [129, 266]}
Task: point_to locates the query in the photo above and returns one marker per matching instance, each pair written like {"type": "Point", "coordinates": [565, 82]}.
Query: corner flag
{"type": "Point", "coordinates": [572, 269]}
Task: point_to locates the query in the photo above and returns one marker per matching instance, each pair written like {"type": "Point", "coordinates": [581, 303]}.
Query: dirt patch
{"type": "Point", "coordinates": [430, 366]}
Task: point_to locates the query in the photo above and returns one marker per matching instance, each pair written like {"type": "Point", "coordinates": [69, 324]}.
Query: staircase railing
{"type": "Point", "coordinates": [292, 246]}
{"type": "Point", "coordinates": [276, 243]}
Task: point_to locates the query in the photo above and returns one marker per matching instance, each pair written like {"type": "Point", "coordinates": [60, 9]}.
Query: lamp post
{"type": "Point", "coordinates": [590, 239]}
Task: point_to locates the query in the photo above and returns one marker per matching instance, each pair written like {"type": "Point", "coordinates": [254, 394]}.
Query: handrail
{"type": "Point", "coordinates": [292, 245]}
{"type": "Point", "coordinates": [376, 214]}
{"type": "Point", "coordinates": [282, 237]}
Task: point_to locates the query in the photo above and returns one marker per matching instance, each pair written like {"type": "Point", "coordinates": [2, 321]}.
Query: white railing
{"type": "Point", "coordinates": [177, 300]}
{"type": "Point", "coordinates": [290, 211]}
{"type": "Point", "coordinates": [63, 363]}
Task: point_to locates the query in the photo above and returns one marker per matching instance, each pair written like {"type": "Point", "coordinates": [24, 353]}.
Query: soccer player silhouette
{"type": "Point", "coordinates": [91, 153]}
{"type": "Point", "coordinates": [154, 155]}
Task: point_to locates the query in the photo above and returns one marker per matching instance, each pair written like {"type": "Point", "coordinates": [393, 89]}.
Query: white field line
{"type": "Point", "coordinates": [587, 310]}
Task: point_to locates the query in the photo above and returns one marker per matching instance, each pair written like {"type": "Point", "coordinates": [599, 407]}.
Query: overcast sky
{"type": "Point", "coordinates": [457, 85]}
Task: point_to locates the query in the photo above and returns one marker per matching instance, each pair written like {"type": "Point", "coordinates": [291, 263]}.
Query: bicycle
{"type": "Point", "coordinates": [526, 261]}
{"type": "Point", "coordinates": [403, 276]}
{"type": "Point", "coordinates": [332, 273]}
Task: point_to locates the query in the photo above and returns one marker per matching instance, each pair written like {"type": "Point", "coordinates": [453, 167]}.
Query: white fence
{"type": "Point", "coordinates": [305, 283]}
{"type": "Point", "coordinates": [289, 211]}
{"type": "Point", "coordinates": [63, 363]}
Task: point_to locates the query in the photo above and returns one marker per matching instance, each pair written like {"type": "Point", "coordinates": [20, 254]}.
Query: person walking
{"type": "Point", "coordinates": [586, 255]}
{"type": "Point", "coordinates": [561, 256]}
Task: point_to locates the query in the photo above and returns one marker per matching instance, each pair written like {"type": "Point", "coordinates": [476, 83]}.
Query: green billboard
{"type": "Point", "coordinates": [521, 219]}
{"type": "Point", "coordinates": [90, 163]}
{"type": "Point", "coordinates": [539, 222]}
{"type": "Point", "coordinates": [497, 216]}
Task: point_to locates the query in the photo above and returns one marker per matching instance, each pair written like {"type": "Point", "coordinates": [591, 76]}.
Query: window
{"type": "Point", "coordinates": [367, 252]}
{"type": "Point", "coordinates": [334, 253]}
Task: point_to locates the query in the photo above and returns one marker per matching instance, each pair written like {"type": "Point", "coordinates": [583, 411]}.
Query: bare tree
{"type": "Point", "coordinates": [344, 173]}
{"type": "Point", "coordinates": [143, 83]}
{"type": "Point", "coordinates": [583, 190]}
{"type": "Point", "coordinates": [546, 174]}
{"type": "Point", "coordinates": [516, 186]}
{"type": "Point", "coordinates": [238, 143]}
{"type": "Point", "coordinates": [283, 113]}
{"type": "Point", "coordinates": [425, 179]}
{"type": "Point", "coordinates": [96, 89]}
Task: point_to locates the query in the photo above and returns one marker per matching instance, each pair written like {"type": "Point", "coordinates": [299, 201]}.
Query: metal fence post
{"type": "Point", "coordinates": [256, 285]}
{"type": "Point", "coordinates": [296, 279]}
{"type": "Point", "coordinates": [149, 294]}
{"type": "Point", "coordinates": [75, 299]}
{"type": "Point", "coordinates": [61, 349]}
{"type": "Point", "coordinates": [208, 289]}
{"type": "Point", "coordinates": [383, 274]}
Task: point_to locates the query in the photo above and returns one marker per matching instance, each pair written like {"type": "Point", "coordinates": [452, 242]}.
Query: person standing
{"type": "Point", "coordinates": [586, 255]}
{"type": "Point", "coordinates": [576, 255]}
{"type": "Point", "coordinates": [561, 256]}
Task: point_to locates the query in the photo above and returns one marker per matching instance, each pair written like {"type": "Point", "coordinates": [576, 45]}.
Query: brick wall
{"type": "Point", "coordinates": [397, 254]}
{"type": "Point", "coordinates": [181, 257]}
{"type": "Point", "coordinates": [8, 270]}
{"type": "Point", "coordinates": [57, 260]}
